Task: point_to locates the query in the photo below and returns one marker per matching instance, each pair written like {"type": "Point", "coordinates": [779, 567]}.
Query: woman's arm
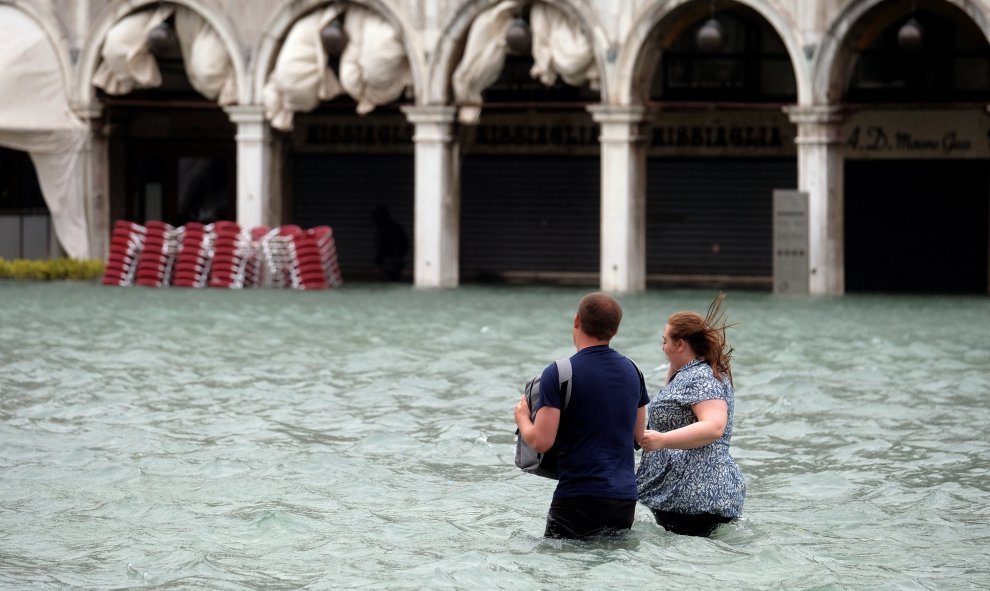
{"type": "Point", "coordinates": [712, 418]}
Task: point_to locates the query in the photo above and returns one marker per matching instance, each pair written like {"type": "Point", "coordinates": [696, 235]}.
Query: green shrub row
{"type": "Point", "coordinates": [51, 269]}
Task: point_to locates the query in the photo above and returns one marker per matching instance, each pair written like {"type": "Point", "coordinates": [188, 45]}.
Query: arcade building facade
{"type": "Point", "coordinates": [616, 143]}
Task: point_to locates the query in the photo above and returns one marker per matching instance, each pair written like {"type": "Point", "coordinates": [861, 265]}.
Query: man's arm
{"type": "Point", "coordinates": [541, 434]}
{"type": "Point", "coordinates": [640, 428]}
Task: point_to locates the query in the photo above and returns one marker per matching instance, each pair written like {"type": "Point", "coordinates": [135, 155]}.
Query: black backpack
{"type": "Point", "coordinates": [527, 458]}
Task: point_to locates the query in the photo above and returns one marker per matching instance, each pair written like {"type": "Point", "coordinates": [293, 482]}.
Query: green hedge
{"type": "Point", "coordinates": [51, 270]}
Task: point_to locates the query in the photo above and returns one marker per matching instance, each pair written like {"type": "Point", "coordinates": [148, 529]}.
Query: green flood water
{"type": "Point", "coordinates": [363, 438]}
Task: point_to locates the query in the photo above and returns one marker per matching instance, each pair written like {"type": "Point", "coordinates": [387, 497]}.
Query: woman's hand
{"type": "Point", "coordinates": [651, 440]}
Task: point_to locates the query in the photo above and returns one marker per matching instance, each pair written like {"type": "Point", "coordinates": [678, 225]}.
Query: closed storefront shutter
{"type": "Point", "coordinates": [713, 217]}
{"type": "Point", "coordinates": [342, 191]}
{"type": "Point", "coordinates": [532, 215]}
{"type": "Point", "coordinates": [916, 226]}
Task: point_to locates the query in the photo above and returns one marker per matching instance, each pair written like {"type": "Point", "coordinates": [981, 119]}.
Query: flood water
{"type": "Point", "coordinates": [363, 439]}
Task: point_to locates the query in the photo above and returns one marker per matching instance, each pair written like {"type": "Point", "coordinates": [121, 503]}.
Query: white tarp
{"type": "Point", "coordinates": [483, 60]}
{"type": "Point", "coordinates": [127, 63]}
{"type": "Point", "coordinates": [374, 69]}
{"type": "Point", "coordinates": [559, 48]}
{"type": "Point", "coordinates": [301, 78]}
{"type": "Point", "coordinates": [207, 62]}
{"type": "Point", "coordinates": [35, 117]}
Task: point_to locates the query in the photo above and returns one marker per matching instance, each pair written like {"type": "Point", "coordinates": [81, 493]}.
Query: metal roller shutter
{"type": "Point", "coordinates": [341, 191]}
{"type": "Point", "coordinates": [916, 226]}
{"type": "Point", "coordinates": [530, 214]}
{"type": "Point", "coordinates": [710, 216]}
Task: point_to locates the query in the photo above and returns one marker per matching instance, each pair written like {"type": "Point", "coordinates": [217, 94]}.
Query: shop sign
{"type": "Point", "coordinates": [920, 134]}
{"type": "Point", "coordinates": [347, 134]}
{"type": "Point", "coordinates": [737, 134]}
{"type": "Point", "coordinates": [725, 133]}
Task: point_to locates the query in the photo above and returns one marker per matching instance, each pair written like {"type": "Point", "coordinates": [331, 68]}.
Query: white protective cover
{"type": "Point", "coordinates": [560, 48]}
{"type": "Point", "coordinates": [35, 117]}
{"type": "Point", "coordinates": [207, 62]}
{"type": "Point", "coordinates": [483, 60]}
{"type": "Point", "coordinates": [374, 69]}
{"type": "Point", "coordinates": [127, 63]}
{"type": "Point", "coordinates": [301, 78]}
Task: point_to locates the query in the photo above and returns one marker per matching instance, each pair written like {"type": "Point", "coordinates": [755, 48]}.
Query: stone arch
{"type": "Point", "coordinates": [451, 41]}
{"type": "Point", "coordinates": [834, 60]}
{"type": "Point", "coordinates": [278, 27]}
{"type": "Point", "coordinates": [89, 58]}
{"type": "Point", "coordinates": [637, 62]}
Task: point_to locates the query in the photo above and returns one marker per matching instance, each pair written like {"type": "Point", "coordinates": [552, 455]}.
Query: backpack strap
{"type": "Point", "coordinates": [564, 374]}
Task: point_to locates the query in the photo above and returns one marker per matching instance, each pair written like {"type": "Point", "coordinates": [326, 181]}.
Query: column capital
{"type": "Point", "coordinates": [436, 114]}
{"type": "Point", "coordinates": [814, 114]}
{"type": "Point", "coordinates": [817, 124]}
{"type": "Point", "coordinates": [434, 123]}
{"type": "Point", "coordinates": [625, 114]}
{"type": "Point", "coordinates": [621, 124]}
{"type": "Point", "coordinates": [246, 113]}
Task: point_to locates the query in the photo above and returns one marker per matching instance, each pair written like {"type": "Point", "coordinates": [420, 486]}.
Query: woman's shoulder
{"type": "Point", "coordinates": [697, 370]}
{"type": "Point", "coordinates": [699, 382]}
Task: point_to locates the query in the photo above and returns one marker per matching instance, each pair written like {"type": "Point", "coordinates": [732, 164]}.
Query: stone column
{"type": "Point", "coordinates": [254, 203]}
{"type": "Point", "coordinates": [438, 197]}
{"type": "Point", "coordinates": [95, 155]}
{"type": "Point", "coordinates": [820, 174]}
{"type": "Point", "coordinates": [623, 198]}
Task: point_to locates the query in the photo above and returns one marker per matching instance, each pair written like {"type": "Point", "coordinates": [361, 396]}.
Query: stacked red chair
{"type": "Point", "coordinates": [222, 254]}
{"type": "Point", "coordinates": [327, 246]}
{"type": "Point", "coordinates": [154, 264]}
{"type": "Point", "coordinates": [277, 253]}
{"type": "Point", "coordinates": [306, 268]}
{"type": "Point", "coordinates": [255, 265]}
{"type": "Point", "coordinates": [126, 243]}
{"type": "Point", "coordinates": [192, 264]}
{"type": "Point", "coordinates": [230, 253]}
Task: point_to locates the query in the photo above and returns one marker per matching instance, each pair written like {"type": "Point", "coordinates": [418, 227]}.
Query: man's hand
{"type": "Point", "coordinates": [522, 412]}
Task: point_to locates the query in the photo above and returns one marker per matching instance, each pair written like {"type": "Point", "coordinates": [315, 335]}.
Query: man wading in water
{"type": "Point", "coordinates": [596, 492]}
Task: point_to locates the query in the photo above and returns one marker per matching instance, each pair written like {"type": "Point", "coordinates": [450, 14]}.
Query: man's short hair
{"type": "Point", "coordinates": [600, 315]}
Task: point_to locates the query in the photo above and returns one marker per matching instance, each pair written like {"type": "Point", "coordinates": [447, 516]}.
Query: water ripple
{"type": "Point", "coordinates": [363, 438]}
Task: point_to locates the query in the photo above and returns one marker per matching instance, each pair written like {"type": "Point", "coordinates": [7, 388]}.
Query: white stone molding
{"type": "Point", "coordinates": [437, 197]}
{"type": "Point", "coordinates": [254, 203]}
{"type": "Point", "coordinates": [821, 176]}
{"type": "Point", "coordinates": [623, 197]}
{"type": "Point", "coordinates": [636, 54]}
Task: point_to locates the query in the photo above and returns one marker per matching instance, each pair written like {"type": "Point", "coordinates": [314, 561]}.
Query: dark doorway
{"type": "Point", "coordinates": [174, 165]}
{"type": "Point", "coordinates": [343, 191]}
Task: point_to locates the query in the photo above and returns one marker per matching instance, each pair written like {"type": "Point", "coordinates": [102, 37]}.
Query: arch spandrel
{"type": "Point", "coordinates": [637, 60]}
{"type": "Point", "coordinates": [279, 26]}
{"type": "Point", "coordinates": [450, 45]}
{"type": "Point", "coordinates": [834, 60]}
{"type": "Point", "coordinates": [89, 57]}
